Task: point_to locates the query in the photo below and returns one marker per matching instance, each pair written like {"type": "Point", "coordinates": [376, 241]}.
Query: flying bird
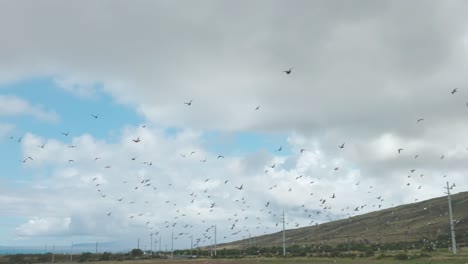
{"type": "Point", "coordinates": [454, 91]}
{"type": "Point", "coordinates": [95, 116]}
{"type": "Point", "coordinates": [220, 157]}
{"type": "Point", "coordinates": [65, 134]}
{"type": "Point", "coordinates": [188, 103]}
{"type": "Point", "coordinates": [399, 150]}
{"type": "Point", "coordinates": [341, 146]}
{"type": "Point", "coordinates": [288, 71]}
{"type": "Point", "coordinates": [26, 159]}
{"type": "Point", "coordinates": [136, 140]}
{"type": "Point", "coordinates": [240, 187]}
{"type": "Point", "coordinates": [419, 120]}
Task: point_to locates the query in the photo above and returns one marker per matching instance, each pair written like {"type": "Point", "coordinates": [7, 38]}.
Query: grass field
{"type": "Point", "coordinates": [440, 258]}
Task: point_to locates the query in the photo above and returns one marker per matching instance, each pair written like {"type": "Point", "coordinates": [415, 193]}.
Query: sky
{"type": "Point", "coordinates": [119, 120]}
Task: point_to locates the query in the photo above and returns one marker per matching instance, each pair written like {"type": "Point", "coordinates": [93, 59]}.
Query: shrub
{"type": "Point", "coordinates": [401, 256]}
{"type": "Point", "coordinates": [106, 256]}
{"type": "Point", "coordinates": [85, 257]}
{"type": "Point", "coordinates": [369, 253]}
{"type": "Point", "coordinates": [18, 258]}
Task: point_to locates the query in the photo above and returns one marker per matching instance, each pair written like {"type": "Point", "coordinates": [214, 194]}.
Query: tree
{"type": "Point", "coordinates": [136, 252]}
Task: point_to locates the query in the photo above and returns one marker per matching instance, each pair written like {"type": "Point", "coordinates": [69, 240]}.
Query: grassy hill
{"type": "Point", "coordinates": [405, 223]}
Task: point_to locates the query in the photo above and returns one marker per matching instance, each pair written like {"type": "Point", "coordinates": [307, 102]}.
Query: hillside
{"type": "Point", "coordinates": [405, 223]}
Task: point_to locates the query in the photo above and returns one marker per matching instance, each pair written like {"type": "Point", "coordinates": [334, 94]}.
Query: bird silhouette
{"type": "Point", "coordinates": [136, 140]}
{"type": "Point", "coordinates": [454, 91]}
{"type": "Point", "coordinates": [188, 103]}
{"type": "Point", "coordinates": [288, 71]}
{"type": "Point", "coordinates": [240, 187]}
{"type": "Point", "coordinates": [95, 116]}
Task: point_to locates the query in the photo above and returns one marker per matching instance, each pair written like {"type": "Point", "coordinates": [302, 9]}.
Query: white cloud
{"type": "Point", "coordinates": [77, 86]}
{"type": "Point", "coordinates": [11, 106]}
{"type": "Point", "coordinates": [5, 129]}
{"type": "Point", "coordinates": [49, 226]}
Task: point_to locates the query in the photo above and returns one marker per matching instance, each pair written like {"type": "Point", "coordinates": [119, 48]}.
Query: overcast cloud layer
{"type": "Point", "coordinates": [363, 74]}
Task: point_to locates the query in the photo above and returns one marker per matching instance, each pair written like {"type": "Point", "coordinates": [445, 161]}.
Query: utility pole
{"type": "Point", "coordinates": [96, 247]}
{"type": "Point", "coordinates": [284, 237]}
{"type": "Point", "coordinates": [211, 247]}
{"type": "Point", "coordinates": [172, 245]}
{"type": "Point", "coordinates": [53, 253]}
{"type": "Point", "coordinates": [160, 244]}
{"type": "Point", "coordinates": [191, 244]}
{"type": "Point", "coordinates": [151, 242]}
{"type": "Point", "coordinates": [452, 228]}
{"type": "Point", "coordinates": [138, 243]}
{"type": "Point", "coordinates": [243, 245]}
{"type": "Point", "coordinates": [155, 244]}
{"type": "Point", "coordinates": [215, 240]}
{"type": "Point", "coordinates": [71, 253]}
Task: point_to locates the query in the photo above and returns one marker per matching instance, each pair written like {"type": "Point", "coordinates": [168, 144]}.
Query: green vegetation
{"type": "Point", "coordinates": [295, 256]}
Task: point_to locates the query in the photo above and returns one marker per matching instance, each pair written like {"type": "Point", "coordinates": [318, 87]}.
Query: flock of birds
{"type": "Point", "coordinates": [241, 222]}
